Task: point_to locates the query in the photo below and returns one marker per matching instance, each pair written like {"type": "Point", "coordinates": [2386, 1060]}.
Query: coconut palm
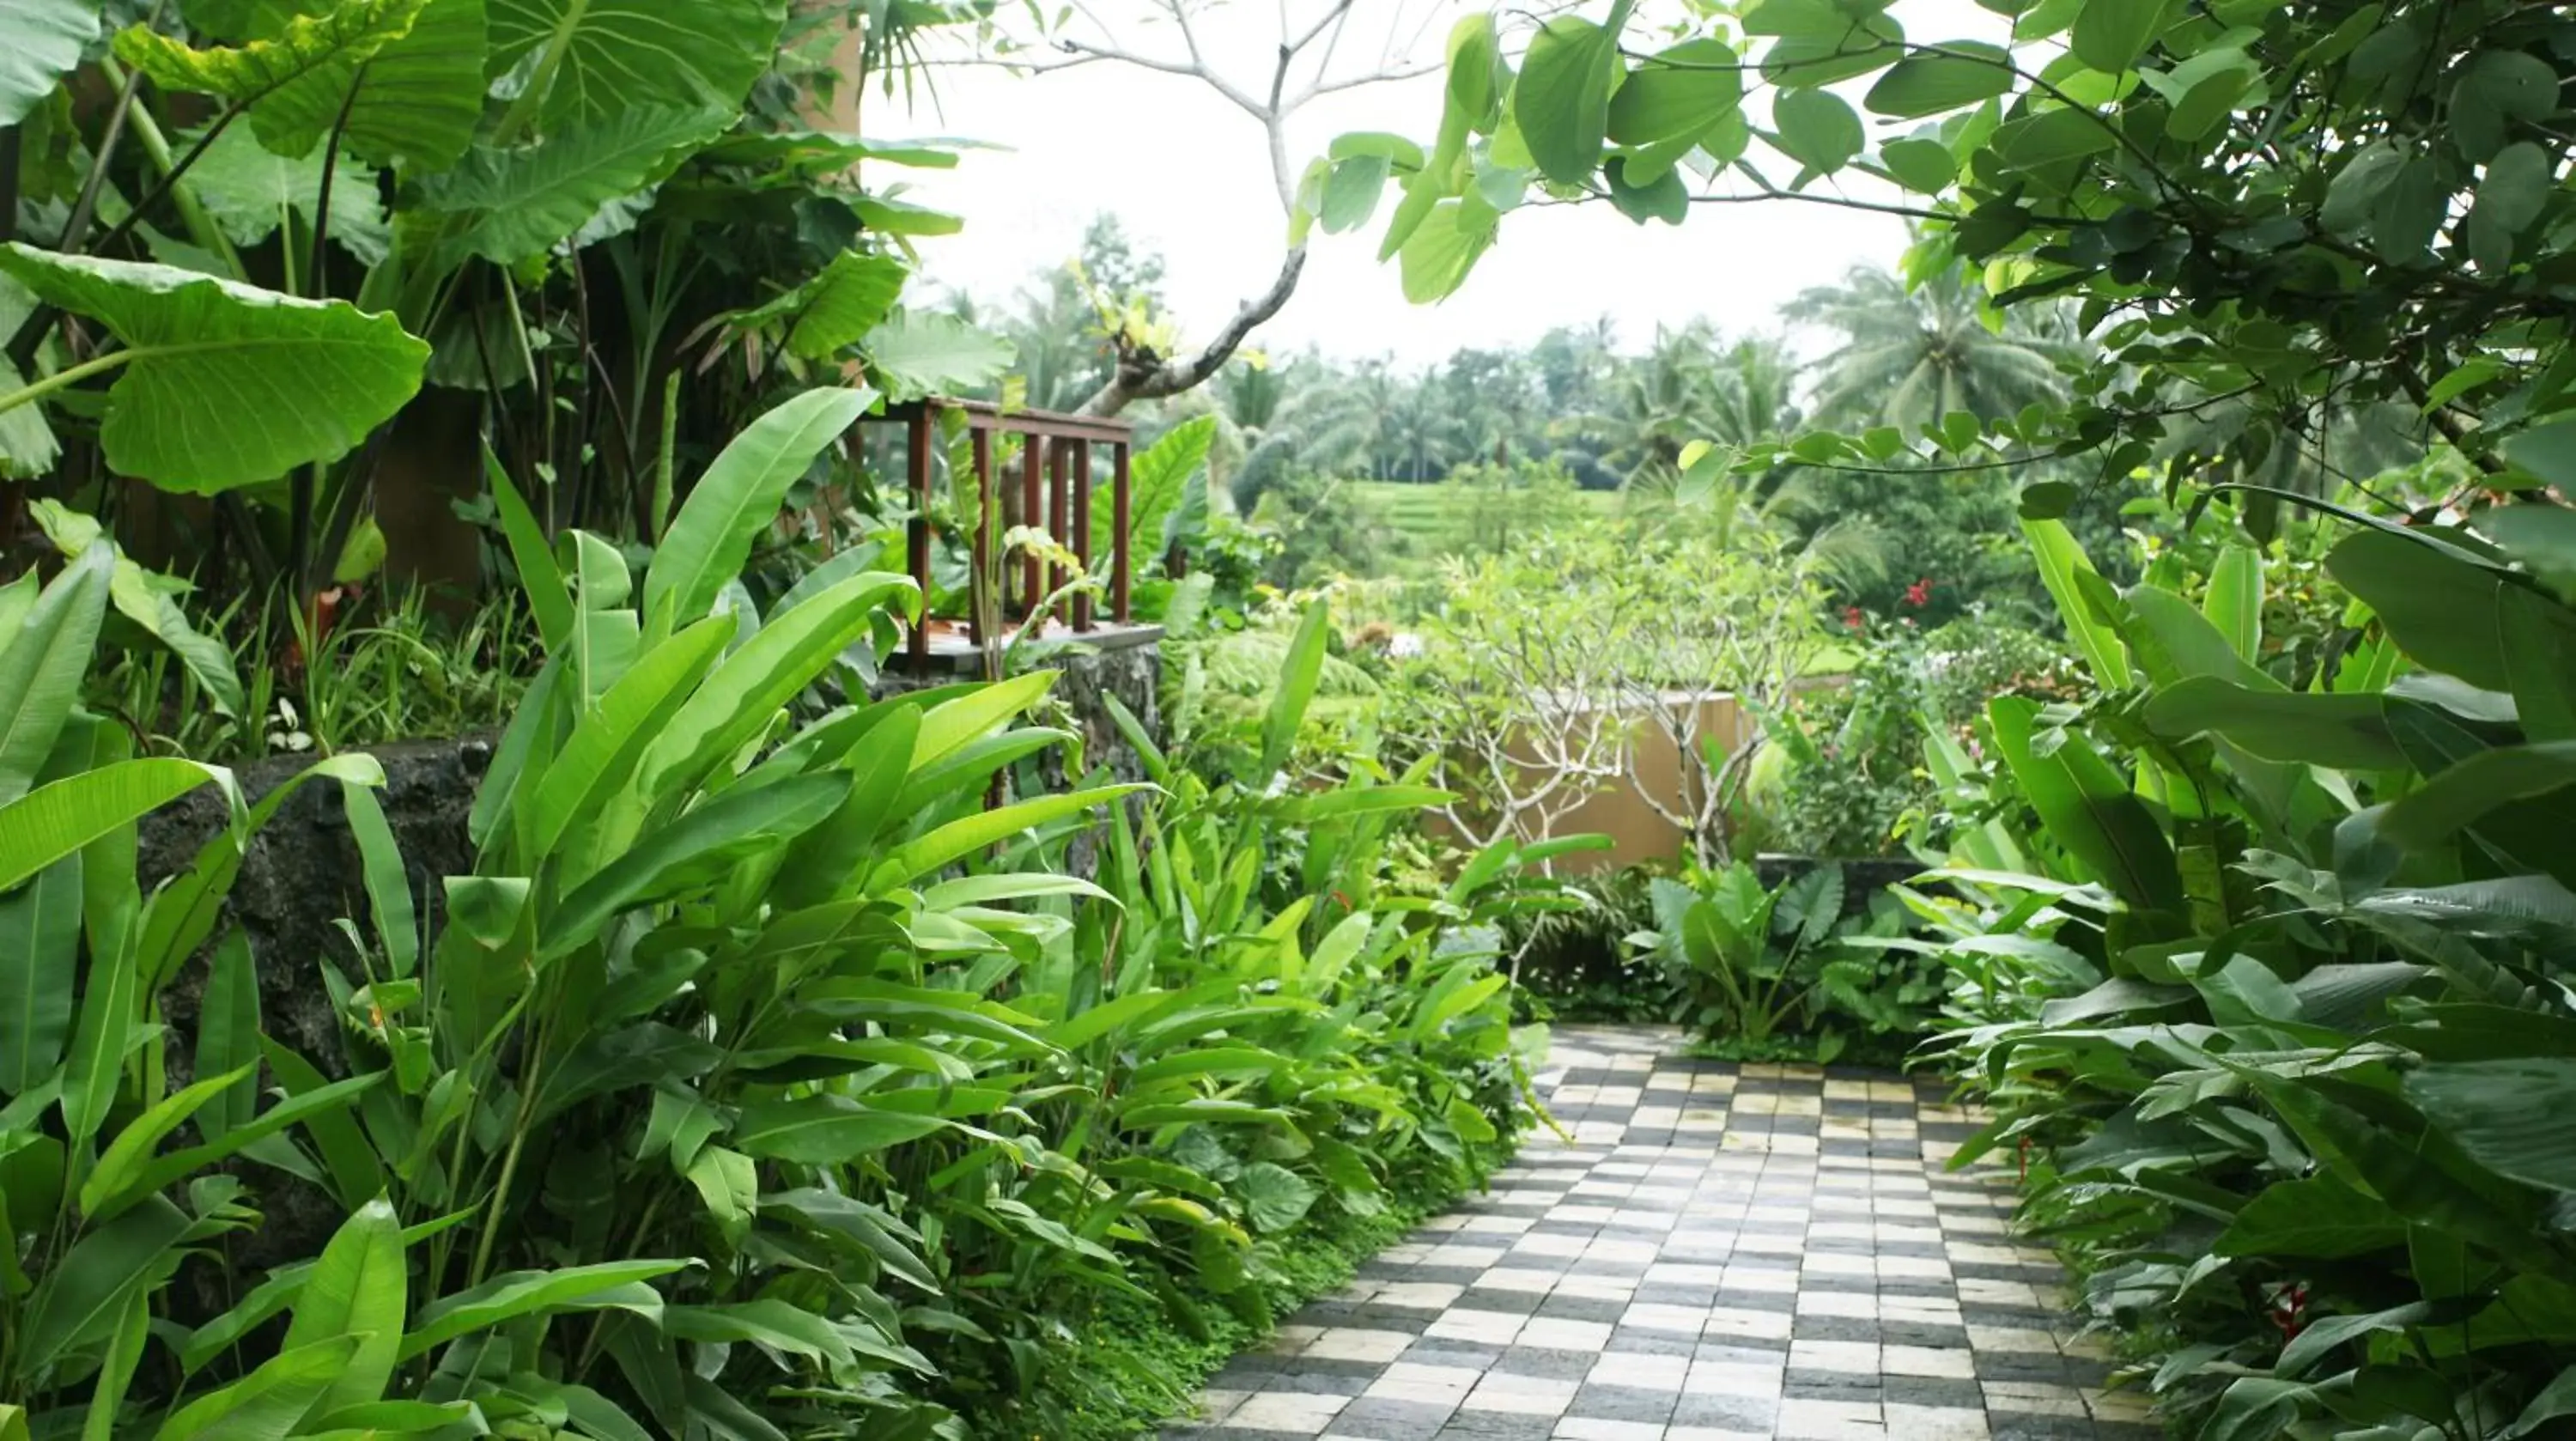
{"type": "Point", "coordinates": [1913, 355]}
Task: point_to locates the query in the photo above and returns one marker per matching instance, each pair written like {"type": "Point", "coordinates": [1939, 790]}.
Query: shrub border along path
{"type": "Point", "coordinates": [1720, 1250]}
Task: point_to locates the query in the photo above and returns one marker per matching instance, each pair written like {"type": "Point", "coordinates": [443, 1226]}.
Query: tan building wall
{"type": "Point", "coordinates": [1619, 810]}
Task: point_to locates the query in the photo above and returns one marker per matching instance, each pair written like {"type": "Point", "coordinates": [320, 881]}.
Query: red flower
{"type": "Point", "coordinates": [1853, 618]}
{"type": "Point", "coordinates": [1919, 593]}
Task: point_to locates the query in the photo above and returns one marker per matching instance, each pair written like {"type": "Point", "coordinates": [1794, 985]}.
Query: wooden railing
{"type": "Point", "coordinates": [1054, 492]}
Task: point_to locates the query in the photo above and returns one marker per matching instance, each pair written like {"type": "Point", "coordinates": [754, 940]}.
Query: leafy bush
{"type": "Point", "coordinates": [2276, 1007]}
{"type": "Point", "coordinates": [758, 1079]}
{"type": "Point", "coordinates": [1786, 971]}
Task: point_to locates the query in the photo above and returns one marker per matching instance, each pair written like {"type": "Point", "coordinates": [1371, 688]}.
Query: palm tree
{"type": "Point", "coordinates": [1914, 355]}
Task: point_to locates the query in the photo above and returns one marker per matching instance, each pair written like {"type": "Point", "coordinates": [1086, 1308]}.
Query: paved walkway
{"type": "Point", "coordinates": [1722, 1251]}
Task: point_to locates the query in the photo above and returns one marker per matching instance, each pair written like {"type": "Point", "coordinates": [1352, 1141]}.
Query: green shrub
{"type": "Point", "coordinates": [758, 1079]}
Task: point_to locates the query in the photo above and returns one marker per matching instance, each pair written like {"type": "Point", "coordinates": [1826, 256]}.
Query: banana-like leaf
{"type": "Point", "coordinates": [914, 353]}
{"type": "Point", "coordinates": [608, 741]}
{"type": "Point", "coordinates": [825, 1130]}
{"type": "Point", "coordinates": [2517, 1117]}
{"type": "Point", "coordinates": [691, 850]}
{"type": "Point", "coordinates": [43, 664]}
{"type": "Point", "coordinates": [40, 928]}
{"type": "Point", "coordinates": [951, 725]}
{"type": "Point", "coordinates": [148, 600]}
{"type": "Point", "coordinates": [2235, 600]}
{"type": "Point", "coordinates": [1298, 677]}
{"type": "Point", "coordinates": [2062, 567]}
{"type": "Point", "coordinates": [610, 1285]}
{"type": "Point", "coordinates": [356, 1289]}
{"type": "Point", "coordinates": [84, 1294]}
{"type": "Point", "coordinates": [2441, 610]}
{"type": "Point", "coordinates": [57, 819]}
{"type": "Point", "coordinates": [961, 838]}
{"type": "Point", "coordinates": [111, 1185]}
{"type": "Point", "coordinates": [2348, 732]}
{"type": "Point", "coordinates": [223, 385]}
{"type": "Point", "coordinates": [2100, 821]}
{"type": "Point", "coordinates": [2457, 797]}
{"type": "Point", "coordinates": [742, 697]}
{"type": "Point", "coordinates": [710, 538]}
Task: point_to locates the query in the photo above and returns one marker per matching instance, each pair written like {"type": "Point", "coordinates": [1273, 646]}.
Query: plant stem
{"type": "Point", "coordinates": [63, 379]}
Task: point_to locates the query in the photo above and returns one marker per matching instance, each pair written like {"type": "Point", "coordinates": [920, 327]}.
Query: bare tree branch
{"type": "Point", "coordinates": [1141, 373]}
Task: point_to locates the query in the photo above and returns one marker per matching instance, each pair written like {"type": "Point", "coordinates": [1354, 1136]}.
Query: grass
{"type": "Point", "coordinates": [1435, 516]}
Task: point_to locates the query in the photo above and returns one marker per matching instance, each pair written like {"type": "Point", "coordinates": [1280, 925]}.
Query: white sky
{"type": "Point", "coordinates": [1184, 170]}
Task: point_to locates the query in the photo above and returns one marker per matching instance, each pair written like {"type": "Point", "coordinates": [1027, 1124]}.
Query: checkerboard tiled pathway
{"type": "Point", "coordinates": [1721, 1252]}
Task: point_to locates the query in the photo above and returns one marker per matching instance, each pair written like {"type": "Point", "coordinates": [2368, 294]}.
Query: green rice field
{"type": "Point", "coordinates": [1437, 517]}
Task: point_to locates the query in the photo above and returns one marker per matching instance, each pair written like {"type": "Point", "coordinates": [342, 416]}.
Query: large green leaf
{"type": "Point", "coordinates": [961, 838]}
{"type": "Point", "coordinates": [1818, 129]}
{"type": "Point", "coordinates": [252, 191]}
{"type": "Point", "coordinates": [295, 80]}
{"type": "Point", "coordinates": [2319, 1216]}
{"type": "Point", "coordinates": [2460, 795]}
{"type": "Point", "coordinates": [612, 736]}
{"type": "Point", "coordinates": [601, 60]}
{"type": "Point", "coordinates": [43, 665]}
{"type": "Point", "coordinates": [742, 697]}
{"type": "Point", "coordinates": [510, 204]}
{"type": "Point", "coordinates": [82, 1295]}
{"type": "Point", "coordinates": [111, 1185]}
{"type": "Point", "coordinates": [692, 850]}
{"type": "Point", "coordinates": [149, 600]}
{"type": "Point", "coordinates": [2087, 809]}
{"type": "Point", "coordinates": [40, 928]}
{"type": "Point", "coordinates": [837, 308]}
{"type": "Point", "coordinates": [1275, 1198]}
{"type": "Point", "coordinates": [915, 353]}
{"type": "Point", "coordinates": [824, 1130]}
{"type": "Point", "coordinates": [228, 1034]}
{"type": "Point", "coordinates": [224, 385]}
{"type": "Point", "coordinates": [2348, 732]}
{"type": "Point", "coordinates": [2062, 568]}
{"type": "Point", "coordinates": [57, 819]}
{"type": "Point", "coordinates": [1302, 671]}
{"type": "Point", "coordinates": [2441, 609]}
{"type": "Point", "coordinates": [357, 1290]}
{"type": "Point", "coordinates": [41, 41]}
{"type": "Point", "coordinates": [608, 1285]}
{"type": "Point", "coordinates": [1562, 100]}
{"type": "Point", "coordinates": [420, 98]}
{"type": "Point", "coordinates": [1677, 94]}
{"type": "Point", "coordinates": [737, 498]}
{"type": "Point", "coordinates": [2517, 1117]}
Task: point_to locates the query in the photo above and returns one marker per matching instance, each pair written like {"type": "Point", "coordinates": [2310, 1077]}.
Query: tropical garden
{"type": "Point", "coordinates": [2118, 654]}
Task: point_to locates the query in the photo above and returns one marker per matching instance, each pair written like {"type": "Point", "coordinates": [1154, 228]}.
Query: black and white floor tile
{"type": "Point", "coordinates": [1714, 1252]}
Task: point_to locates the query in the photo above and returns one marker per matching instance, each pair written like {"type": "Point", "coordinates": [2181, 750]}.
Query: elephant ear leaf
{"type": "Point", "coordinates": [221, 385]}
{"type": "Point", "coordinates": [41, 41]}
{"type": "Point", "coordinates": [294, 82]}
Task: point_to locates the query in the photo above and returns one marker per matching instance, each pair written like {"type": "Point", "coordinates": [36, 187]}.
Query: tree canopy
{"type": "Point", "coordinates": [2272, 215]}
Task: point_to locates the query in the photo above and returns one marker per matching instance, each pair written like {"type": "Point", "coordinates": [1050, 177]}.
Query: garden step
{"type": "Point", "coordinates": [1713, 1251]}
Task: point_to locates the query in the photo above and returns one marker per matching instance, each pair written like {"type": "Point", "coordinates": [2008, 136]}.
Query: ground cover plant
{"type": "Point", "coordinates": [758, 1078]}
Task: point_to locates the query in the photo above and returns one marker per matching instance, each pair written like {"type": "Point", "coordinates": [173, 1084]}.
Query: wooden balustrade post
{"type": "Point", "coordinates": [1121, 552]}
{"type": "Point", "coordinates": [1082, 529]}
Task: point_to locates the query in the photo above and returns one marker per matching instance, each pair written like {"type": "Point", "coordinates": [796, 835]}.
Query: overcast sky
{"type": "Point", "coordinates": [1185, 172]}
